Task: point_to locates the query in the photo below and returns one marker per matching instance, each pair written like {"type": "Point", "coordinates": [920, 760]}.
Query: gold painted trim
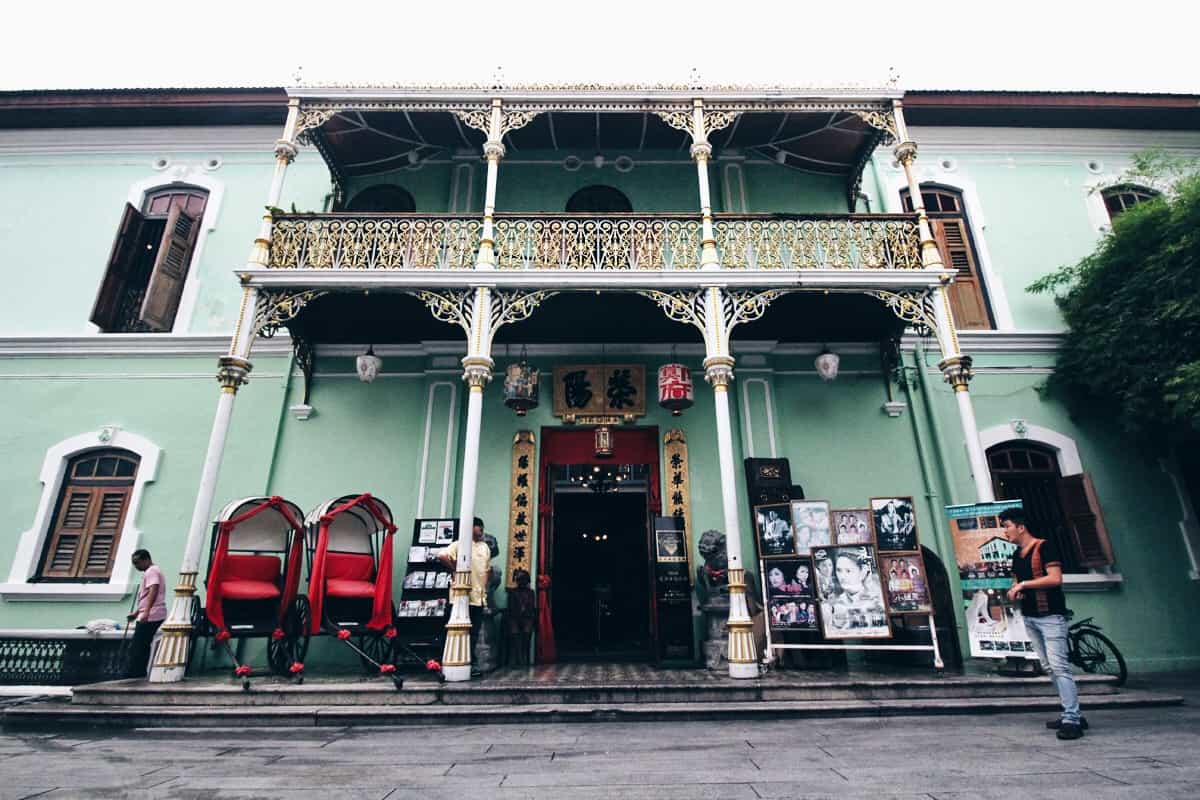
{"type": "Point", "coordinates": [524, 447]}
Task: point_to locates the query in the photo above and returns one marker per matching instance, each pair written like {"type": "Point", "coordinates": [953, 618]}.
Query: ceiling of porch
{"type": "Point", "coordinates": [588, 317]}
{"type": "Point", "coordinates": [360, 143]}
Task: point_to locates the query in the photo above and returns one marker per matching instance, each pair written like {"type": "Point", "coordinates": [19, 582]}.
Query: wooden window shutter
{"type": "Point", "coordinates": [1085, 523]}
{"type": "Point", "coordinates": [95, 560]}
{"type": "Point", "coordinates": [966, 294]}
{"type": "Point", "coordinates": [170, 269]}
{"type": "Point", "coordinates": [69, 533]}
{"type": "Point", "coordinates": [120, 263]}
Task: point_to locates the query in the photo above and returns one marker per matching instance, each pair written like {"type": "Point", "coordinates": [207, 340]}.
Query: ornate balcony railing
{"type": "Point", "coordinates": [582, 242]}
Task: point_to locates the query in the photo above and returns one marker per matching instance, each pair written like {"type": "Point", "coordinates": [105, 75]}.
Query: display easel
{"type": "Point", "coordinates": [769, 655]}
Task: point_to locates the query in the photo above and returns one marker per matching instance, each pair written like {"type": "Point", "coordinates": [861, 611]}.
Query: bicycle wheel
{"type": "Point", "coordinates": [1096, 654]}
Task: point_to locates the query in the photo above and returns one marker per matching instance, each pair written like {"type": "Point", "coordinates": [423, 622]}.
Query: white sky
{"type": "Point", "coordinates": [1147, 45]}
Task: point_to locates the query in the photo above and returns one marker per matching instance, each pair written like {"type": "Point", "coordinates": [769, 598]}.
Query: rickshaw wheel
{"type": "Point", "coordinates": [199, 624]}
{"type": "Point", "coordinates": [301, 612]}
{"type": "Point", "coordinates": [375, 647]}
{"type": "Point", "coordinates": [282, 653]}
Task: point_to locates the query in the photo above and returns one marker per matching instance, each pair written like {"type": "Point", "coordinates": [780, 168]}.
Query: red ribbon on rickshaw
{"type": "Point", "coordinates": [381, 606]}
{"type": "Point", "coordinates": [216, 573]}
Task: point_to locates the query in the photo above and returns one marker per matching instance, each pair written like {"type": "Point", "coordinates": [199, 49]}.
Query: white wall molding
{"type": "Point", "coordinates": [448, 454]}
{"type": "Point", "coordinates": [1064, 447]}
{"type": "Point", "coordinates": [1077, 141]}
{"type": "Point", "coordinates": [149, 140]}
{"type": "Point", "coordinates": [133, 344]}
{"type": "Point", "coordinates": [1188, 528]}
{"type": "Point", "coordinates": [31, 542]}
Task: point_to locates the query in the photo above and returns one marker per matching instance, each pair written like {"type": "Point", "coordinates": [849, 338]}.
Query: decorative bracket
{"type": "Point", "coordinates": [457, 306]}
{"type": "Point", "coordinates": [305, 356]}
{"type": "Point", "coordinates": [276, 308]}
{"type": "Point", "coordinates": [880, 120]}
{"type": "Point", "coordinates": [737, 306]}
{"type": "Point", "coordinates": [310, 119]}
{"type": "Point", "coordinates": [914, 306]}
{"type": "Point", "coordinates": [481, 119]}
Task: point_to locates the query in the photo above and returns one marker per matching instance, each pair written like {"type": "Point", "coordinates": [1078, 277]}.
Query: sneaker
{"type": "Point", "coordinates": [1054, 724]}
{"type": "Point", "coordinates": [1069, 730]}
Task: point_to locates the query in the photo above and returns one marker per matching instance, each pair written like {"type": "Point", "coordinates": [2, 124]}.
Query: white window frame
{"type": "Point", "coordinates": [1069, 463]}
{"type": "Point", "coordinates": [32, 541]}
{"type": "Point", "coordinates": [176, 177]}
{"type": "Point", "coordinates": [1097, 212]}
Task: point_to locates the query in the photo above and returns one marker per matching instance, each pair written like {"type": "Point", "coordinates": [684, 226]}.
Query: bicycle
{"type": "Point", "coordinates": [1093, 652]}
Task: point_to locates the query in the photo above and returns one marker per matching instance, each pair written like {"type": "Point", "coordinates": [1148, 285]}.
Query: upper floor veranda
{"type": "Point", "coordinates": [593, 178]}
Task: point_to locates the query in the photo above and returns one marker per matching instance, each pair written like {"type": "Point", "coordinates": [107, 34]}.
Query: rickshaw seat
{"type": "Point", "coordinates": [250, 577]}
{"type": "Point", "coordinates": [349, 574]}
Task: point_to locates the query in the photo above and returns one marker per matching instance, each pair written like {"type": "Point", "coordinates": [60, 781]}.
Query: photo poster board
{"type": "Point", "coordinates": [672, 593]}
{"type": "Point", "coordinates": [995, 627]}
{"type": "Point", "coordinates": [425, 590]}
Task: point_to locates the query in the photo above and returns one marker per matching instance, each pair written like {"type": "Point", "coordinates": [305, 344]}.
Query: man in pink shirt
{"type": "Point", "coordinates": [149, 613]}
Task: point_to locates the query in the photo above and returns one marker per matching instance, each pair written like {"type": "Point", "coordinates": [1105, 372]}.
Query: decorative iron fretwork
{"type": "Point", "coordinates": [881, 120]}
{"type": "Point", "coordinates": [478, 118]}
{"type": "Point", "coordinates": [457, 306]}
{"type": "Point", "coordinates": [914, 306]}
{"type": "Point", "coordinates": [717, 120]}
{"type": "Point", "coordinates": [523, 500]}
{"type": "Point", "coordinates": [337, 241]}
{"type": "Point", "coordinates": [454, 306]}
{"type": "Point", "coordinates": [60, 661]}
{"type": "Point", "coordinates": [310, 119]}
{"type": "Point", "coordinates": [326, 241]}
{"type": "Point", "coordinates": [678, 118]}
{"type": "Point", "coordinates": [597, 243]}
{"type": "Point", "coordinates": [275, 308]}
{"type": "Point", "coordinates": [737, 305]}
{"type": "Point", "coordinates": [305, 356]}
{"type": "Point", "coordinates": [512, 120]}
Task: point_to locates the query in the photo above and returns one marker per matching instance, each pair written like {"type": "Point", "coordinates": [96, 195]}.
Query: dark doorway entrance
{"type": "Point", "coordinates": [601, 571]}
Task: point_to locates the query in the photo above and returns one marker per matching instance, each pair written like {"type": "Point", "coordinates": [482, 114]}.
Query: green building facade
{"type": "Point", "coordinates": [385, 200]}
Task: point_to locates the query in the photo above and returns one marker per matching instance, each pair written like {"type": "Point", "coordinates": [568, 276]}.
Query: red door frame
{"type": "Point", "coordinates": [563, 446]}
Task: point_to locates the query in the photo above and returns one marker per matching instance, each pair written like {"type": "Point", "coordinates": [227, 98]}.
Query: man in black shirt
{"type": "Point", "coordinates": [1037, 583]}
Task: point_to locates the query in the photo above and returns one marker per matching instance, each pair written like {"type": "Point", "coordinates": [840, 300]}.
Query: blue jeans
{"type": "Point", "coordinates": [1049, 637]}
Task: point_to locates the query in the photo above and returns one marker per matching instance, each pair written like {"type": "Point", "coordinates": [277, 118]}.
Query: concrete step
{"type": "Point", "coordinates": [774, 688]}
{"type": "Point", "coordinates": [55, 714]}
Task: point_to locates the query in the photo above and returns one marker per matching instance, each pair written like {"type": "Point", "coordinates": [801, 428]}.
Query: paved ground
{"type": "Point", "coordinates": [1127, 754]}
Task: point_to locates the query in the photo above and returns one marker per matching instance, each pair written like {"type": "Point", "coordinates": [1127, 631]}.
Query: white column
{"type": "Point", "coordinates": [718, 371]}
{"type": "Point", "coordinates": [477, 372]}
{"type": "Point", "coordinates": [955, 367]}
{"type": "Point", "coordinates": [701, 151]}
{"type": "Point", "coordinates": [170, 661]}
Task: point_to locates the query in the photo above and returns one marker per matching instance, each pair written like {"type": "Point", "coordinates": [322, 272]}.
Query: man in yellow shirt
{"type": "Point", "coordinates": [481, 574]}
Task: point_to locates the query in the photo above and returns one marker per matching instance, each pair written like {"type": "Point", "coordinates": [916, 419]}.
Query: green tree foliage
{"type": "Point", "coordinates": [1132, 352]}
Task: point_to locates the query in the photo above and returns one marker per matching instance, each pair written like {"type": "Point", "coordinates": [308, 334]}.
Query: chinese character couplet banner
{"type": "Point", "coordinates": [995, 627]}
{"type": "Point", "coordinates": [521, 509]}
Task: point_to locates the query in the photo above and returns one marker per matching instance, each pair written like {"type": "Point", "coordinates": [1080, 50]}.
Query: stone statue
{"type": "Point", "coordinates": [712, 590]}
{"type": "Point", "coordinates": [486, 654]}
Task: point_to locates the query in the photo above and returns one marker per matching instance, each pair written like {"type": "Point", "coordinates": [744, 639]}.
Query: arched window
{"type": "Point", "coordinates": [382, 198]}
{"type": "Point", "coordinates": [149, 262]}
{"type": "Point", "coordinates": [598, 200]}
{"type": "Point", "coordinates": [1062, 509]}
{"type": "Point", "coordinates": [89, 516]}
{"type": "Point", "coordinates": [952, 231]}
{"type": "Point", "coordinates": [1124, 196]}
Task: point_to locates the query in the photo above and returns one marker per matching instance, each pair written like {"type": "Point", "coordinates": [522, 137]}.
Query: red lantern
{"type": "Point", "coordinates": [675, 390]}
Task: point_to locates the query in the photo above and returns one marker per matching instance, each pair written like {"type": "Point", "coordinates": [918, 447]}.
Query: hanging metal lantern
{"type": "Point", "coordinates": [603, 441]}
{"type": "Point", "coordinates": [827, 365]}
{"type": "Point", "coordinates": [368, 365]}
{"type": "Point", "coordinates": [675, 389]}
{"type": "Point", "coordinates": [521, 386]}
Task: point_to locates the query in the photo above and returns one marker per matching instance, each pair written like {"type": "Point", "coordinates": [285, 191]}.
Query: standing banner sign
{"type": "Point", "coordinates": [672, 592]}
{"type": "Point", "coordinates": [995, 627]}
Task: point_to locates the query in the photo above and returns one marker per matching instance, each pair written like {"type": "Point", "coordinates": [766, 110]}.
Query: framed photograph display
{"type": "Point", "coordinates": [906, 584]}
{"type": "Point", "coordinates": [792, 614]}
{"type": "Point", "coordinates": [789, 577]}
{"type": "Point", "coordinates": [894, 522]}
{"type": "Point", "coordinates": [811, 525]}
{"type": "Point", "coordinates": [850, 592]}
{"type": "Point", "coordinates": [852, 526]}
{"type": "Point", "coordinates": [671, 549]}
{"type": "Point", "coordinates": [773, 526]}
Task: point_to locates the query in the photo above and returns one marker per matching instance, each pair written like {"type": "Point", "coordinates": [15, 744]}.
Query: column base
{"type": "Point", "coordinates": [741, 671]}
{"type": "Point", "coordinates": [457, 674]}
{"type": "Point", "coordinates": [166, 674]}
